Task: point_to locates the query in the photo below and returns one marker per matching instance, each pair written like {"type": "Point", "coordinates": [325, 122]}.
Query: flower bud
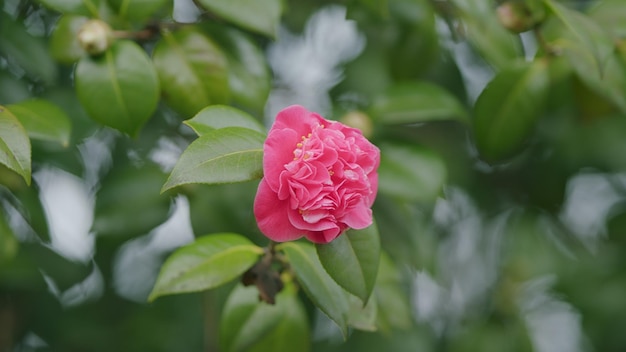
{"type": "Point", "coordinates": [358, 120]}
{"type": "Point", "coordinates": [516, 16]}
{"type": "Point", "coordinates": [95, 37]}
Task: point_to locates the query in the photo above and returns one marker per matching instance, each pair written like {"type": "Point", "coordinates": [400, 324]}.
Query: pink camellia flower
{"type": "Point", "coordinates": [319, 178]}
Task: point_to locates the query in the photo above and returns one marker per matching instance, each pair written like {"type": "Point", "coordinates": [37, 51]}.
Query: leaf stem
{"type": "Point", "coordinates": [151, 31]}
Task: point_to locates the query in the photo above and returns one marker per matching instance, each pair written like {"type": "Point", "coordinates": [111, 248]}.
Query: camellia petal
{"type": "Point", "coordinates": [270, 213]}
{"type": "Point", "coordinates": [275, 155]}
{"type": "Point", "coordinates": [320, 178]}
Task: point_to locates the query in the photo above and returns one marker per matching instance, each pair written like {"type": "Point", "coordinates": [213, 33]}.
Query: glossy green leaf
{"type": "Point", "coordinates": [120, 88]}
{"type": "Point", "coordinates": [318, 285]}
{"type": "Point", "coordinates": [352, 260]}
{"type": "Point", "coordinates": [258, 16]}
{"type": "Point", "coordinates": [207, 263]}
{"type": "Point", "coordinates": [410, 172]}
{"type": "Point", "coordinates": [231, 154]}
{"type": "Point", "coordinates": [251, 325]}
{"type": "Point", "coordinates": [362, 317]}
{"type": "Point", "coordinates": [416, 102]}
{"type": "Point", "coordinates": [8, 244]}
{"type": "Point", "coordinates": [63, 44]}
{"type": "Point", "coordinates": [506, 111]}
{"type": "Point", "coordinates": [142, 208]}
{"type": "Point", "coordinates": [77, 7]}
{"type": "Point", "coordinates": [14, 145]}
{"type": "Point", "coordinates": [394, 310]}
{"type": "Point", "coordinates": [25, 50]}
{"type": "Point", "coordinates": [43, 120]}
{"type": "Point", "coordinates": [220, 116]}
{"type": "Point", "coordinates": [137, 10]}
{"type": "Point", "coordinates": [249, 76]}
{"type": "Point", "coordinates": [192, 69]}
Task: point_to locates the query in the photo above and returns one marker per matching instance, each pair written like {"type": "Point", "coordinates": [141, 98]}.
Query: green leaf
{"type": "Point", "coordinates": [64, 45]}
{"type": "Point", "coordinates": [28, 52]}
{"type": "Point", "coordinates": [352, 260]}
{"type": "Point", "coordinates": [64, 272]}
{"type": "Point", "coordinates": [394, 310]}
{"type": "Point", "coordinates": [32, 210]}
{"type": "Point", "coordinates": [591, 53]}
{"type": "Point", "coordinates": [119, 89]}
{"type": "Point", "coordinates": [498, 46]}
{"type": "Point", "coordinates": [506, 111]}
{"type": "Point", "coordinates": [610, 15]}
{"type": "Point", "coordinates": [14, 145]}
{"type": "Point", "coordinates": [246, 319]}
{"type": "Point", "coordinates": [293, 332]}
{"type": "Point", "coordinates": [77, 7]}
{"type": "Point", "coordinates": [410, 172]}
{"type": "Point", "coordinates": [65, 97]}
{"type": "Point", "coordinates": [138, 187]}
{"type": "Point", "coordinates": [12, 90]}
{"type": "Point", "coordinates": [223, 207]}
{"type": "Point", "coordinates": [362, 317]}
{"type": "Point", "coordinates": [380, 7]}
{"type": "Point", "coordinates": [581, 40]}
{"type": "Point", "coordinates": [416, 102]}
{"type": "Point", "coordinates": [192, 69]}
{"type": "Point", "coordinates": [414, 48]}
{"type": "Point", "coordinates": [577, 29]}
{"type": "Point", "coordinates": [259, 16]}
{"type": "Point", "coordinates": [251, 325]}
{"type": "Point", "coordinates": [249, 76]}
{"type": "Point", "coordinates": [207, 263]}
{"type": "Point", "coordinates": [8, 244]}
{"type": "Point", "coordinates": [137, 10]}
{"type": "Point", "coordinates": [318, 285]}
{"type": "Point", "coordinates": [231, 154]}
{"type": "Point", "coordinates": [43, 120]}
{"type": "Point", "coordinates": [220, 116]}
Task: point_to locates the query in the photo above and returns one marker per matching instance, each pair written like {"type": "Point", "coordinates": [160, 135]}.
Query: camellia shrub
{"type": "Point", "coordinates": [272, 175]}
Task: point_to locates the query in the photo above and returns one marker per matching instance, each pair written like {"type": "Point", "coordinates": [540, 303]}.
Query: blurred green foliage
{"type": "Point", "coordinates": [502, 201]}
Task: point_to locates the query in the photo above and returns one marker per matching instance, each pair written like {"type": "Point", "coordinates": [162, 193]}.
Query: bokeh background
{"type": "Point", "coordinates": [521, 252]}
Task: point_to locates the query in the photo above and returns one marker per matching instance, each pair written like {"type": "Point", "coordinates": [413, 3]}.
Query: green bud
{"type": "Point", "coordinates": [359, 120]}
{"type": "Point", "coordinates": [517, 16]}
{"type": "Point", "coordinates": [95, 37]}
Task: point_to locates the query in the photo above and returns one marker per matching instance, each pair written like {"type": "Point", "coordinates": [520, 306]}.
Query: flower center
{"type": "Point", "coordinates": [302, 150]}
